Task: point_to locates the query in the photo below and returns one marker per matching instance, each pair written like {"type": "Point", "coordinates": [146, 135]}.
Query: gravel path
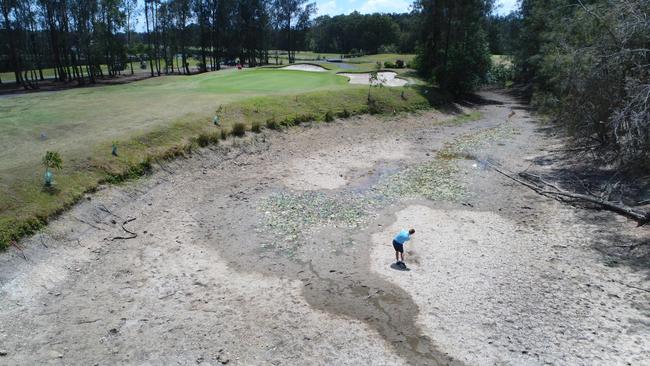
{"type": "Point", "coordinates": [275, 249]}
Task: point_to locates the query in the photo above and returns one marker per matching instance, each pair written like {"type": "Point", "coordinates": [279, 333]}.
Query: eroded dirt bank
{"type": "Point", "coordinates": [277, 251]}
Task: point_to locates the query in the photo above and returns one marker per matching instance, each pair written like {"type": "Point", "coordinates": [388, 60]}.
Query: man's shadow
{"type": "Point", "coordinates": [398, 267]}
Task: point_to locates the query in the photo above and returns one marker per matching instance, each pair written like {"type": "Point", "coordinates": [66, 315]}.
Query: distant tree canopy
{"type": "Point", "coordinates": [503, 33]}
{"type": "Point", "coordinates": [80, 41]}
{"type": "Point", "coordinates": [589, 63]}
{"type": "Point", "coordinates": [453, 47]}
{"type": "Point", "coordinates": [361, 33]}
{"type": "Point", "coordinates": [292, 16]}
{"type": "Point", "coordinates": [83, 40]}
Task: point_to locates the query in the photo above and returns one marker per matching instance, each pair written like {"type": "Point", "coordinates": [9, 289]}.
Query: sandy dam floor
{"type": "Point", "coordinates": [276, 249]}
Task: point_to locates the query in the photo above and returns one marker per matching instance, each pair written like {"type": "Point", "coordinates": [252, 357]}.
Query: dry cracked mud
{"type": "Point", "coordinates": [276, 249]}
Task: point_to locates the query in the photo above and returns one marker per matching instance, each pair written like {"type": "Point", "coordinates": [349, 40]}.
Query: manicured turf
{"type": "Point", "coordinates": [73, 118]}
{"type": "Point", "coordinates": [392, 57]}
{"type": "Point", "coordinates": [151, 119]}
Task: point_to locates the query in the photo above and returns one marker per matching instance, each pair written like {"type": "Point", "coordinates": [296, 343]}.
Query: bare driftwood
{"type": "Point", "coordinates": [551, 190]}
{"type": "Point", "coordinates": [132, 234]}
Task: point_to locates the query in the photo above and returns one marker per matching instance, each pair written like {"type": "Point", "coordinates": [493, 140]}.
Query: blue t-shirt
{"type": "Point", "coordinates": [402, 237]}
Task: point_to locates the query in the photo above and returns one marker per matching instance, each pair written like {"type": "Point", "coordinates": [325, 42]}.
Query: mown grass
{"type": "Point", "coordinates": [75, 120]}
{"type": "Point", "coordinates": [382, 57]}
{"type": "Point", "coordinates": [25, 206]}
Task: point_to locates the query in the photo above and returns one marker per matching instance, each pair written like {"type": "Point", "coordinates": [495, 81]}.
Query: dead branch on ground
{"type": "Point", "coordinates": [544, 188]}
{"type": "Point", "coordinates": [132, 234]}
{"type": "Point", "coordinates": [87, 223]}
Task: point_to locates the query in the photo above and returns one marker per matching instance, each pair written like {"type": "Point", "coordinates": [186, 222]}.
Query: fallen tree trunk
{"type": "Point", "coordinates": [553, 191]}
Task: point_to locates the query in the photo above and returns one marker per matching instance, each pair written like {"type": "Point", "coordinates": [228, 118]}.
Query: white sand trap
{"type": "Point", "coordinates": [387, 78]}
{"type": "Point", "coordinates": [305, 67]}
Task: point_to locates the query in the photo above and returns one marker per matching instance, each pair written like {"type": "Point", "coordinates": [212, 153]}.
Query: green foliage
{"type": "Point", "coordinates": [374, 78]}
{"type": "Point", "coordinates": [272, 124]}
{"type": "Point", "coordinates": [363, 33]}
{"type": "Point", "coordinates": [501, 74]}
{"type": "Point", "coordinates": [238, 129]}
{"type": "Point", "coordinates": [256, 127]}
{"type": "Point", "coordinates": [223, 134]}
{"type": "Point", "coordinates": [454, 50]}
{"type": "Point", "coordinates": [206, 138]}
{"type": "Point", "coordinates": [591, 73]}
{"type": "Point", "coordinates": [503, 32]}
{"type": "Point", "coordinates": [203, 140]}
{"type": "Point", "coordinates": [344, 113]}
{"type": "Point", "coordinates": [52, 160]}
{"type": "Point", "coordinates": [374, 107]}
{"type": "Point", "coordinates": [389, 65]}
{"type": "Point", "coordinates": [329, 116]}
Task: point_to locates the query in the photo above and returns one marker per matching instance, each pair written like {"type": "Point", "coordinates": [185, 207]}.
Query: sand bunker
{"type": "Point", "coordinates": [305, 67]}
{"type": "Point", "coordinates": [387, 78]}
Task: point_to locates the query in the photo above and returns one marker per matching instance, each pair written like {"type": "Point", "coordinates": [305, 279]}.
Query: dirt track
{"type": "Point", "coordinates": [276, 250]}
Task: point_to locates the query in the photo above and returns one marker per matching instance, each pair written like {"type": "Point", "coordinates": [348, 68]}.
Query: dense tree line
{"type": "Point", "coordinates": [84, 40]}
{"type": "Point", "coordinates": [73, 38]}
{"type": "Point", "coordinates": [503, 31]}
{"type": "Point", "coordinates": [363, 33]}
{"type": "Point", "coordinates": [453, 47]}
{"type": "Point", "coordinates": [589, 63]}
{"type": "Point", "coordinates": [87, 39]}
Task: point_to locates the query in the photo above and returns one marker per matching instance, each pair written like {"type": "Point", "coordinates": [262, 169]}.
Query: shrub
{"type": "Point", "coordinates": [399, 64]}
{"type": "Point", "coordinates": [500, 74]}
{"type": "Point", "coordinates": [373, 107]}
{"type": "Point", "coordinates": [345, 113]}
{"type": "Point", "coordinates": [256, 127]}
{"type": "Point", "coordinates": [224, 134]}
{"type": "Point", "coordinates": [203, 140]}
{"type": "Point", "coordinates": [390, 65]}
{"type": "Point", "coordinates": [302, 118]}
{"type": "Point", "coordinates": [51, 160]}
{"type": "Point", "coordinates": [206, 139]}
{"type": "Point", "coordinates": [272, 124]}
{"type": "Point", "coordinates": [329, 116]}
{"type": "Point", "coordinates": [287, 122]}
{"type": "Point", "coordinates": [238, 129]}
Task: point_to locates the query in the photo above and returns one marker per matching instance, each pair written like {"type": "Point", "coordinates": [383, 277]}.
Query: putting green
{"type": "Point", "coordinates": [75, 120]}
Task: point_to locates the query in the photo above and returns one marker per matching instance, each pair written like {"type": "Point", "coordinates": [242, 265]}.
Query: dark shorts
{"type": "Point", "coordinates": [398, 247]}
